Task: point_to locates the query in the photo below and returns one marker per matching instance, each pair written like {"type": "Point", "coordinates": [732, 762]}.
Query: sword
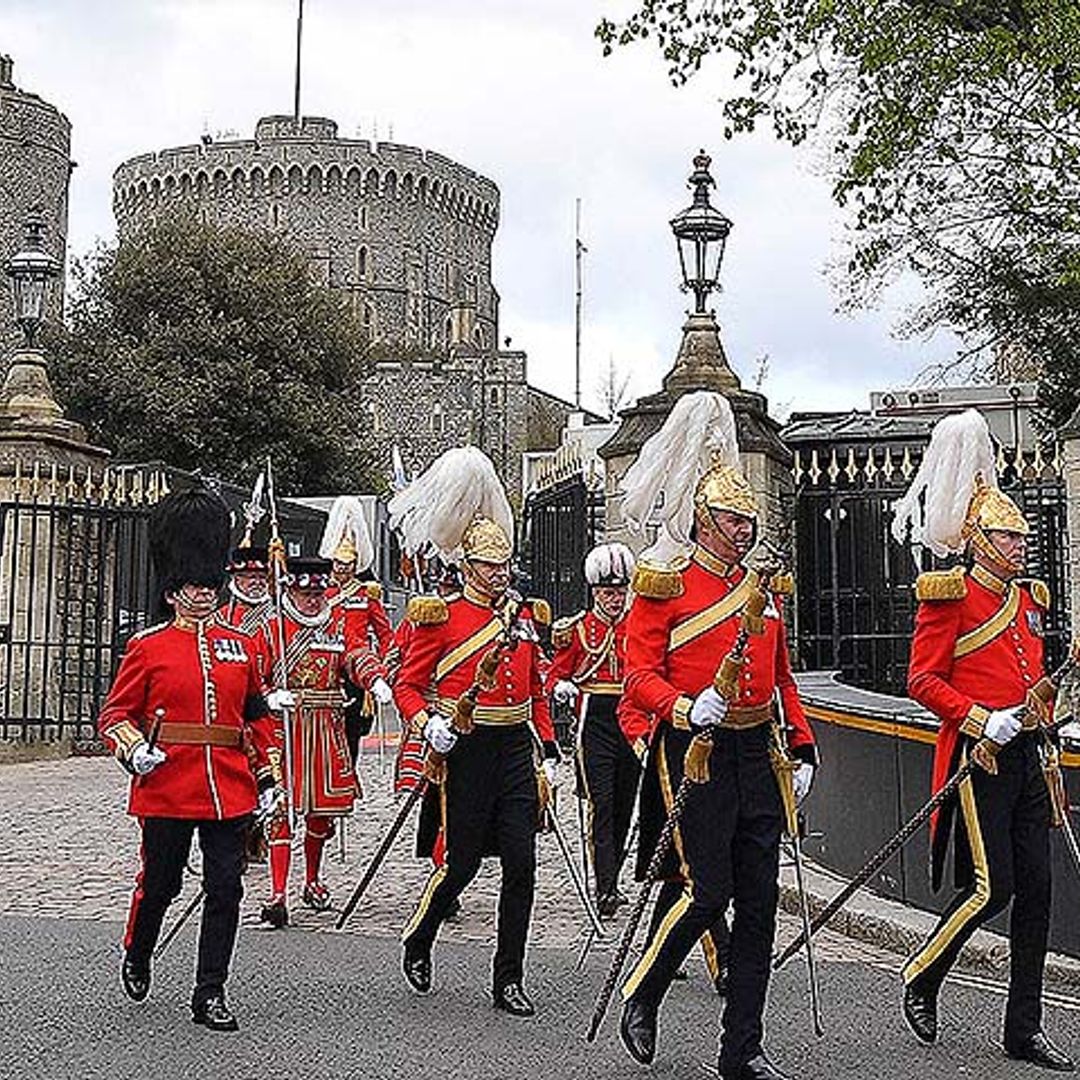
{"type": "Point", "coordinates": [627, 848]}
{"type": "Point", "coordinates": [575, 873]}
{"type": "Point", "coordinates": [177, 926]}
{"type": "Point", "coordinates": [906, 831]}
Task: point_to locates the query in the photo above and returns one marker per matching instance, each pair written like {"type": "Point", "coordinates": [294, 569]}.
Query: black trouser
{"type": "Point", "coordinates": [1006, 830]}
{"type": "Point", "coordinates": [715, 942]}
{"type": "Point", "coordinates": [490, 808]}
{"type": "Point", "coordinates": [611, 773]}
{"type": "Point", "coordinates": [166, 843]}
{"type": "Point", "coordinates": [729, 843]}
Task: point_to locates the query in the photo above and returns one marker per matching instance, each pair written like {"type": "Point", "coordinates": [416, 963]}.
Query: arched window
{"type": "Point", "coordinates": [361, 264]}
{"type": "Point", "coordinates": [493, 396]}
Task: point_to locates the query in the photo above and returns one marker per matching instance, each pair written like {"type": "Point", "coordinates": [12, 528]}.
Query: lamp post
{"type": "Point", "coordinates": [701, 233]}
{"type": "Point", "coordinates": [26, 394]}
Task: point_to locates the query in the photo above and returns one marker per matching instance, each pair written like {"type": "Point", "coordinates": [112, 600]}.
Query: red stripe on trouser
{"type": "Point", "coordinates": [136, 897]}
{"type": "Point", "coordinates": [438, 850]}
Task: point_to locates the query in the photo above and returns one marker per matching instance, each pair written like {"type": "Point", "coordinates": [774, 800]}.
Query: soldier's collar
{"type": "Point", "coordinates": [988, 579]}
{"type": "Point", "coordinates": [475, 596]}
{"type": "Point", "coordinates": [711, 562]}
{"type": "Point", "coordinates": [189, 625]}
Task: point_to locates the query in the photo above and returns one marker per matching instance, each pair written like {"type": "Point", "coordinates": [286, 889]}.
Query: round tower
{"type": "Point", "coordinates": [35, 167]}
{"type": "Point", "coordinates": [405, 233]}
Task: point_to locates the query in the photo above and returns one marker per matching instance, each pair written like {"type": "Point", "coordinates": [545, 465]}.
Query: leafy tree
{"type": "Point", "coordinates": [209, 348]}
{"type": "Point", "coordinates": [953, 132]}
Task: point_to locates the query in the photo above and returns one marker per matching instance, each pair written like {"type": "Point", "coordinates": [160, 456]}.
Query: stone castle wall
{"type": "Point", "coordinates": [35, 166]}
{"type": "Point", "coordinates": [407, 233]}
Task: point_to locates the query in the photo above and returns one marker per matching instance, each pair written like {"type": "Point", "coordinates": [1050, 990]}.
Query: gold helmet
{"type": "Point", "coordinates": [723, 487]}
{"type": "Point", "coordinates": [486, 541]}
{"type": "Point", "coordinates": [990, 508]}
{"type": "Point", "coordinates": [345, 551]}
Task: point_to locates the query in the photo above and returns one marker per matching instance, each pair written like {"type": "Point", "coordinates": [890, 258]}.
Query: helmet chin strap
{"type": "Point", "coordinates": [1004, 566]}
{"type": "Point", "coordinates": [737, 548]}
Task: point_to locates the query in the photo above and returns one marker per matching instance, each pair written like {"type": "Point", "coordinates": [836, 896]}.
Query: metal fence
{"type": "Point", "coordinates": [76, 583]}
{"type": "Point", "coordinates": [856, 605]}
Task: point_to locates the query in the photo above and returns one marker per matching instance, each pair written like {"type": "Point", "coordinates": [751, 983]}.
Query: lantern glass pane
{"type": "Point", "coordinates": [29, 295]}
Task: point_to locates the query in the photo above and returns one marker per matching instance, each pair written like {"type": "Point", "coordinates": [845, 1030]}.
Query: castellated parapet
{"type": "Point", "coordinates": [405, 232]}
{"type": "Point", "coordinates": [35, 167]}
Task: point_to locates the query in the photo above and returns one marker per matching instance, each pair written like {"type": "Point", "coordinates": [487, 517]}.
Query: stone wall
{"type": "Point", "coordinates": [407, 233]}
{"type": "Point", "coordinates": [35, 165]}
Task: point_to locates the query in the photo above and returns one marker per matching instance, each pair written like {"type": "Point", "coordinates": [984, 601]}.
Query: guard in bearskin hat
{"type": "Point", "coordinates": [187, 719]}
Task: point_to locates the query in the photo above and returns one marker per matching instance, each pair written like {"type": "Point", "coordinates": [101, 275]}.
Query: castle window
{"type": "Point", "coordinates": [449, 331]}
{"type": "Point", "coordinates": [361, 264]}
{"type": "Point", "coordinates": [376, 423]}
{"type": "Point", "coordinates": [361, 217]}
{"type": "Point", "coordinates": [493, 396]}
{"type": "Point", "coordinates": [437, 420]}
{"type": "Point", "coordinates": [478, 336]}
{"type": "Point", "coordinates": [275, 215]}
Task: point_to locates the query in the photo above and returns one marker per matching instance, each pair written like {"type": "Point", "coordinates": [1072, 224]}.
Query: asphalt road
{"type": "Point", "coordinates": [322, 1004]}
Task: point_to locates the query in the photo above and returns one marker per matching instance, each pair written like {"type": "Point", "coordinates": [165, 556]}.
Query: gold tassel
{"type": "Point", "coordinates": [696, 762]}
{"type": "Point", "coordinates": [373, 590]}
{"type": "Point", "coordinates": [984, 754]}
{"type": "Point", "coordinates": [464, 708]}
{"type": "Point", "coordinates": [783, 584]}
{"type": "Point", "coordinates": [541, 611]}
{"type": "Point", "coordinates": [726, 683]}
{"type": "Point", "coordinates": [435, 767]}
{"type": "Point", "coordinates": [656, 582]}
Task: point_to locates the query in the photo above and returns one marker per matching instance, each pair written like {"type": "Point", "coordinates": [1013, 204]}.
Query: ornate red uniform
{"type": "Point", "coordinates": [202, 680]}
{"type": "Point", "coordinates": [490, 792]}
{"type": "Point", "coordinates": [978, 647]}
{"type": "Point", "coordinates": [255, 621]}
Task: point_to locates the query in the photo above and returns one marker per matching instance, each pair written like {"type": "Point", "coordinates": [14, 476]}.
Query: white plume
{"type": "Point", "coordinates": [347, 519]}
{"type": "Point", "coordinates": [960, 451]}
{"type": "Point", "coordinates": [698, 434]}
{"type": "Point", "coordinates": [437, 507]}
{"type": "Point", "coordinates": [609, 564]}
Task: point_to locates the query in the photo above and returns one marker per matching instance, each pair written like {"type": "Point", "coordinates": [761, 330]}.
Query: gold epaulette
{"type": "Point", "coordinates": [657, 581]}
{"type": "Point", "coordinates": [427, 610]}
{"type": "Point", "coordinates": [373, 590]}
{"type": "Point", "coordinates": [1040, 592]}
{"type": "Point", "coordinates": [941, 585]}
{"type": "Point", "coordinates": [562, 633]}
{"type": "Point", "coordinates": [783, 584]}
{"type": "Point", "coordinates": [541, 611]}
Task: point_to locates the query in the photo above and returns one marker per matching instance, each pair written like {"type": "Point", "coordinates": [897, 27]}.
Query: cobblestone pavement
{"type": "Point", "coordinates": [71, 852]}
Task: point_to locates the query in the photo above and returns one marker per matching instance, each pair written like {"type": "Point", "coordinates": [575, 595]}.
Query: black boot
{"type": "Point", "coordinates": [136, 979]}
{"type": "Point", "coordinates": [513, 1000]}
{"type": "Point", "coordinates": [214, 1014]}
{"type": "Point", "coordinates": [757, 1068]}
{"type": "Point", "coordinates": [416, 967]}
{"type": "Point", "coordinates": [920, 1012]}
{"type": "Point", "coordinates": [1039, 1050]}
{"type": "Point", "coordinates": [637, 1029]}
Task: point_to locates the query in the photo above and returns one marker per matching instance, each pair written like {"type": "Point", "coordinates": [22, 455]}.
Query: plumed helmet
{"type": "Point", "coordinates": [609, 564]}
{"type": "Point", "coordinates": [346, 536]}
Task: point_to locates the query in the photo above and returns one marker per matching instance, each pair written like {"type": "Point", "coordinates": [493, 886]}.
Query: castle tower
{"type": "Point", "coordinates": [35, 166]}
{"type": "Point", "coordinates": [405, 233]}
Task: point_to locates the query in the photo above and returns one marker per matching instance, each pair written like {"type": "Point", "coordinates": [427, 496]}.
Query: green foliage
{"type": "Point", "coordinates": [954, 135]}
{"type": "Point", "coordinates": [209, 348]}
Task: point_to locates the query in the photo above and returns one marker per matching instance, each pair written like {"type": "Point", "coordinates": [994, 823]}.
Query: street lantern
{"type": "Point", "coordinates": [701, 232]}
{"type": "Point", "coordinates": [30, 271]}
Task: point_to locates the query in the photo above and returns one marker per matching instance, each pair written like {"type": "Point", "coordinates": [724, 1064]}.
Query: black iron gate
{"type": "Point", "coordinates": [856, 604]}
{"type": "Point", "coordinates": [562, 521]}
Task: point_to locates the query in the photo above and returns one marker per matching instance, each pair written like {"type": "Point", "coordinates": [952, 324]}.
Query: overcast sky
{"type": "Point", "coordinates": [518, 91]}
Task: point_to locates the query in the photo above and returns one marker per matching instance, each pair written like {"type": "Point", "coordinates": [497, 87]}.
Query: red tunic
{"type": "Point", "coordinates": [998, 663]}
{"type": "Point", "coordinates": [198, 674]}
{"type": "Point", "coordinates": [594, 657]}
{"type": "Point", "coordinates": [323, 780]}
{"type": "Point", "coordinates": [423, 686]}
{"type": "Point", "coordinates": [663, 675]}
{"type": "Point", "coordinates": [253, 619]}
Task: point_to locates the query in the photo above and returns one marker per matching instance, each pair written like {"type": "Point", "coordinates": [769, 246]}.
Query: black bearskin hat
{"type": "Point", "coordinates": [189, 540]}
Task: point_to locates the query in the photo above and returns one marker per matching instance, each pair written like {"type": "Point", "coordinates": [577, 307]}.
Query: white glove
{"type": "Point", "coordinates": [709, 708]}
{"type": "Point", "coordinates": [440, 735]}
{"type": "Point", "coordinates": [145, 759]}
{"type": "Point", "coordinates": [801, 780]}
{"type": "Point", "coordinates": [268, 801]}
{"type": "Point", "coordinates": [565, 692]}
{"type": "Point", "coordinates": [277, 700]}
{"type": "Point", "coordinates": [381, 692]}
{"type": "Point", "coordinates": [551, 772]}
{"type": "Point", "coordinates": [1003, 724]}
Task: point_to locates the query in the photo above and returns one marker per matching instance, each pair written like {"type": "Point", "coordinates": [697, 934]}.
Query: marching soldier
{"type": "Point", "coordinates": [473, 659]}
{"type": "Point", "coordinates": [347, 543]}
{"type": "Point", "coordinates": [977, 664]}
{"type": "Point", "coordinates": [186, 717]}
{"type": "Point", "coordinates": [249, 607]}
{"type": "Point", "coordinates": [693, 596]}
{"type": "Point", "coordinates": [587, 668]}
{"type": "Point", "coordinates": [322, 644]}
